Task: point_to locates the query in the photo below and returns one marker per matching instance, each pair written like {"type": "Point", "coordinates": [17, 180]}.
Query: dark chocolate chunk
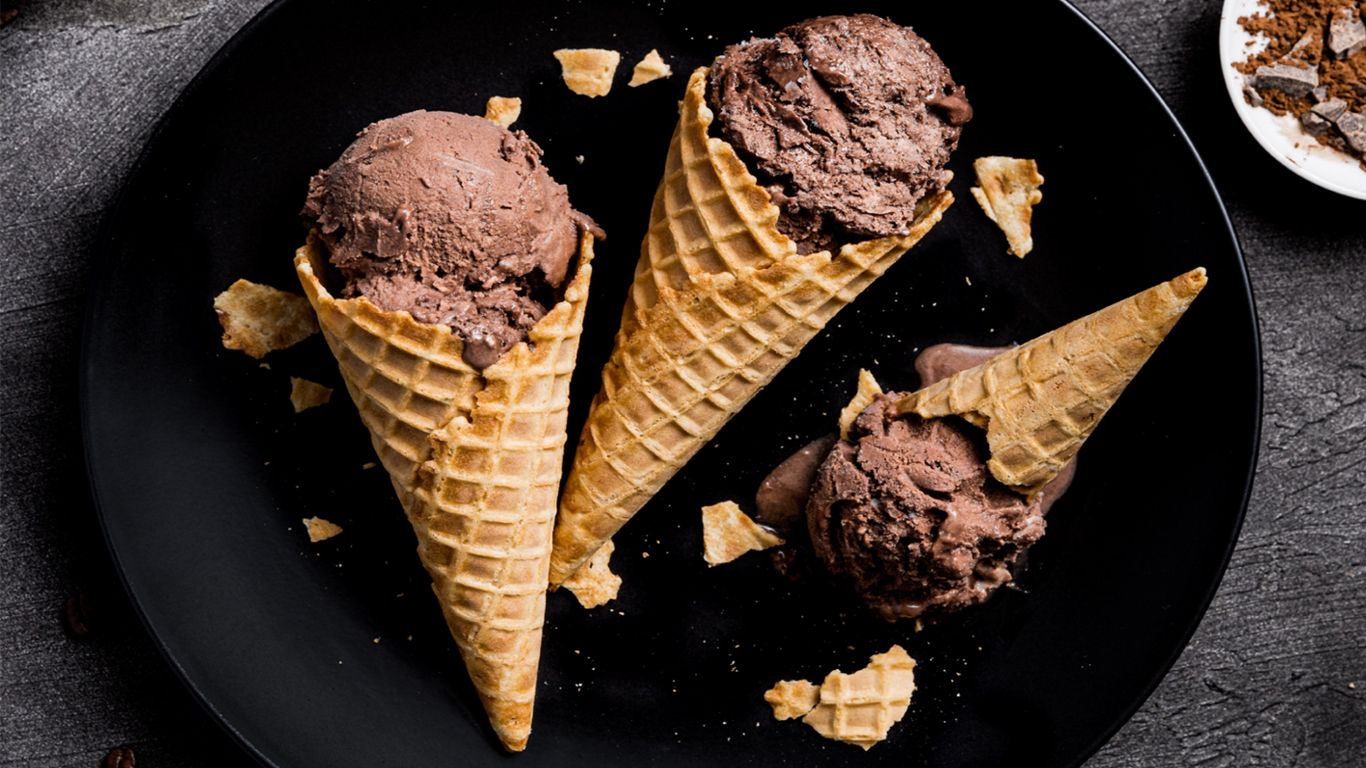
{"type": "Point", "coordinates": [121, 757]}
{"type": "Point", "coordinates": [1346, 35]}
{"type": "Point", "coordinates": [1352, 126]}
{"type": "Point", "coordinates": [1314, 125]}
{"type": "Point", "coordinates": [1320, 93]}
{"type": "Point", "coordinates": [1330, 110]}
{"type": "Point", "coordinates": [1288, 79]}
{"type": "Point", "coordinates": [79, 614]}
{"type": "Point", "coordinates": [1253, 98]}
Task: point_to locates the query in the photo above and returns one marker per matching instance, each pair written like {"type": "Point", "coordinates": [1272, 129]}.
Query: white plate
{"type": "Point", "coordinates": [1281, 136]}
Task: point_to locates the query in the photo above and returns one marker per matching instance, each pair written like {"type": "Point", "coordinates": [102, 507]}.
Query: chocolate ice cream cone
{"type": "Point", "coordinates": [476, 459]}
{"type": "Point", "coordinates": [720, 303]}
{"type": "Point", "coordinates": [1038, 402]}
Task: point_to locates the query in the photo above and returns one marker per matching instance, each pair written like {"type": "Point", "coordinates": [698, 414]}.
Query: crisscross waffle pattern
{"type": "Point", "coordinates": [1041, 400]}
{"type": "Point", "coordinates": [720, 303]}
{"type": "Point", "coordinates": [861, 708]}
{"type": "Point", "coordinates": [406, 378]}
{"type": "Point", "coordinates": [481, 496]}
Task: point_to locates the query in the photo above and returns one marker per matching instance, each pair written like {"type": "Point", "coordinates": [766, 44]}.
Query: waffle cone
{"type": "Point", "coordinates": [1038, 402]}
{"type": "Point", "coordinates": [475, 458]}
{"type": "Point", "coordinates": [720, 302]}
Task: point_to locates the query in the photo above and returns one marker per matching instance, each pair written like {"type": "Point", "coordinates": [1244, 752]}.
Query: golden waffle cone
{"type": "Point", "coordinates": [721, 301]}
{"type": "Point", "coordinates": [1038, 402]}
{"type": "Point", "coordinates": [475, 458]}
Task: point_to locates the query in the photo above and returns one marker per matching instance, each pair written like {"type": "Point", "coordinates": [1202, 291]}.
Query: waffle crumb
{"type": "Point", "coordinates": [594, 584]}
{"type": "Point", "coordinates": [867, 390]}
{"type": "Point", "coordinates": [306, 394]}
{"type": "Point", "coordinates": [650, 69]}
{"type": "Point", "coordinates": [257, 319]}
{"type": "Point", "coordinates": [1008, 193]}
{"type": "Point", "coordinates": [728, 533]}
{"type": "Point", "coordinates": [503, 111]}
{"type": "Point", "coordinates": [792, 698]}
{"type": "Point", "coordinates": [861, 708]}
{"type": "Point", "coordinates": [588, 71]}
{"type": "Point", "coordinates": [320, 529]}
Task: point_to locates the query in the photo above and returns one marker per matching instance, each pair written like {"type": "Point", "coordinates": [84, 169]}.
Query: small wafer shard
{"type": "Point", "coordinates": [728, 533]}
{"type": "Point", "coordinates": [258, 319]}
{"type": "Point", "coordinates": [307, 394]}
{"type": "Point", "coordinates": [320, 529]}
{"type": "Point", "coordinates": [649, 69]}
{"type": "Point", "coordinates": [861, 708]}
{"type": "Point", "coordinates": [792, 698]}
{"type": "Point", "coordinates": [594, 583]}
{"type": "Point", "coordinates": [503, 111]}
{"type": "Point", "coordinates": [867, 390]}
{"type": "Point", "coordinates": [588, 71]}
{"type": "Point", "coordinates": [1008, 192]}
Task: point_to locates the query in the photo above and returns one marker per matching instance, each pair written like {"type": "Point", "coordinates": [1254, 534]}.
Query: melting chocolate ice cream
{"type": "Point", "coordinates": [906, 511]}
{"type": "Point", "coordinates": [846, 120]}
{"type": "Point", "coordinates": [452, 219]}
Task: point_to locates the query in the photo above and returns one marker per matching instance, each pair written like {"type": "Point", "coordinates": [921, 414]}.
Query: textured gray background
{"type": "Point", "coordinates": [1276, 674]}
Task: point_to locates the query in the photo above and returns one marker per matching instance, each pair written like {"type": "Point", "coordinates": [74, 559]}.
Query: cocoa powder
{"type": "Point", "coordinates": [1285, 23]}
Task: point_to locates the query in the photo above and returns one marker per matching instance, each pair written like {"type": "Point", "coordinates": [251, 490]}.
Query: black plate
{"type": "Point", "coordinates": [336, 655]}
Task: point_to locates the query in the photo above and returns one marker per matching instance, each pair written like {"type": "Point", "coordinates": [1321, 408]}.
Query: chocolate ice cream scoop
{"type": "Point", "coordinates": [846, 120]}
{"type": "Point", "coordinates": [452, 219]}
{"type": "Point", "coordinates": [909, 514]}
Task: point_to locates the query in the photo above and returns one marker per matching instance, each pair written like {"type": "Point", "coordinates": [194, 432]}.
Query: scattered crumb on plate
{"type": "Point", "coordinates": [503, 111]}
{"type": "Point", "coordinates": [320, 529]}
{"type": "Point", "coordinates": [728, 533]}
{"type": "Point", "coordinates": [861, 708]}
{"type": "Point", "coordinates": [594, 584]}
{"type": "Point", "coordinates": [307, 394]}
{"type": "Point", "coordinates": [792, 698]}
{"type": "Point", "coordinates": [1008, 193]}
{"type": "Point", "coordinates": [257, 319]}
{"type": "Point", "coordinates": [867, 390]}
{"type": "Point", "coordinates": [650, 69]}
{"type": "Point", "coordinates": [588, 71]}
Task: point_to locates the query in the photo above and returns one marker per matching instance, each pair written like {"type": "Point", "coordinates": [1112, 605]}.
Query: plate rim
{"type": "Point", "coordinates": [102, 259]}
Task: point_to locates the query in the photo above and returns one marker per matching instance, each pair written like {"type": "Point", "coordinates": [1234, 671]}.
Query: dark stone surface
{"type": "Point", "coordinates": [1276, 674]}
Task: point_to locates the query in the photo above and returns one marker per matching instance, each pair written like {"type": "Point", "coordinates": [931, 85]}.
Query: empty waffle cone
{"type": "Point", "coordinates": [721, 301]}
{"type": "Point", "coordinates": [1038, 402]}
{"type": "Point", "coordinates": [475, 458]}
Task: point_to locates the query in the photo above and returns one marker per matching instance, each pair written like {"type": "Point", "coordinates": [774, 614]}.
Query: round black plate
{"type": "Point", "coordinates": [335, 654]}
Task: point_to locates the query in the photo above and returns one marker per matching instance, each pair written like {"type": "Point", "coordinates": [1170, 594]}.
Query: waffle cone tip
{"type": "Point", "coordinates": [1040, 401]}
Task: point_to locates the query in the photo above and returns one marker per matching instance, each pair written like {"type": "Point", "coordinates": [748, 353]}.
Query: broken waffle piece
{"type": "Point", "coordinates": [792, 698]}
{"type": "Point", "coordinates": [867, 390]}
{"type": "Point", "coordinates": [588, 71]}
{"type": "Point", "coordinates": [861, 708]}
{"type": "Point", "coordinates": [320, 529]}
{"type": "Point", "coordinates": [649, 69]}
{"type": "Point", "coordinates": [1008, 192]}
{"type": "Point", "coordinates": [257, 319]}
{"type": "Point", "coordinates": [503, 111]}
{"type": "Point", "coordinates": [307, 394]}
{"type": "Point", "coordinates": [728, 533]}
{"type": "Point", "coordinates": [594, 583]}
